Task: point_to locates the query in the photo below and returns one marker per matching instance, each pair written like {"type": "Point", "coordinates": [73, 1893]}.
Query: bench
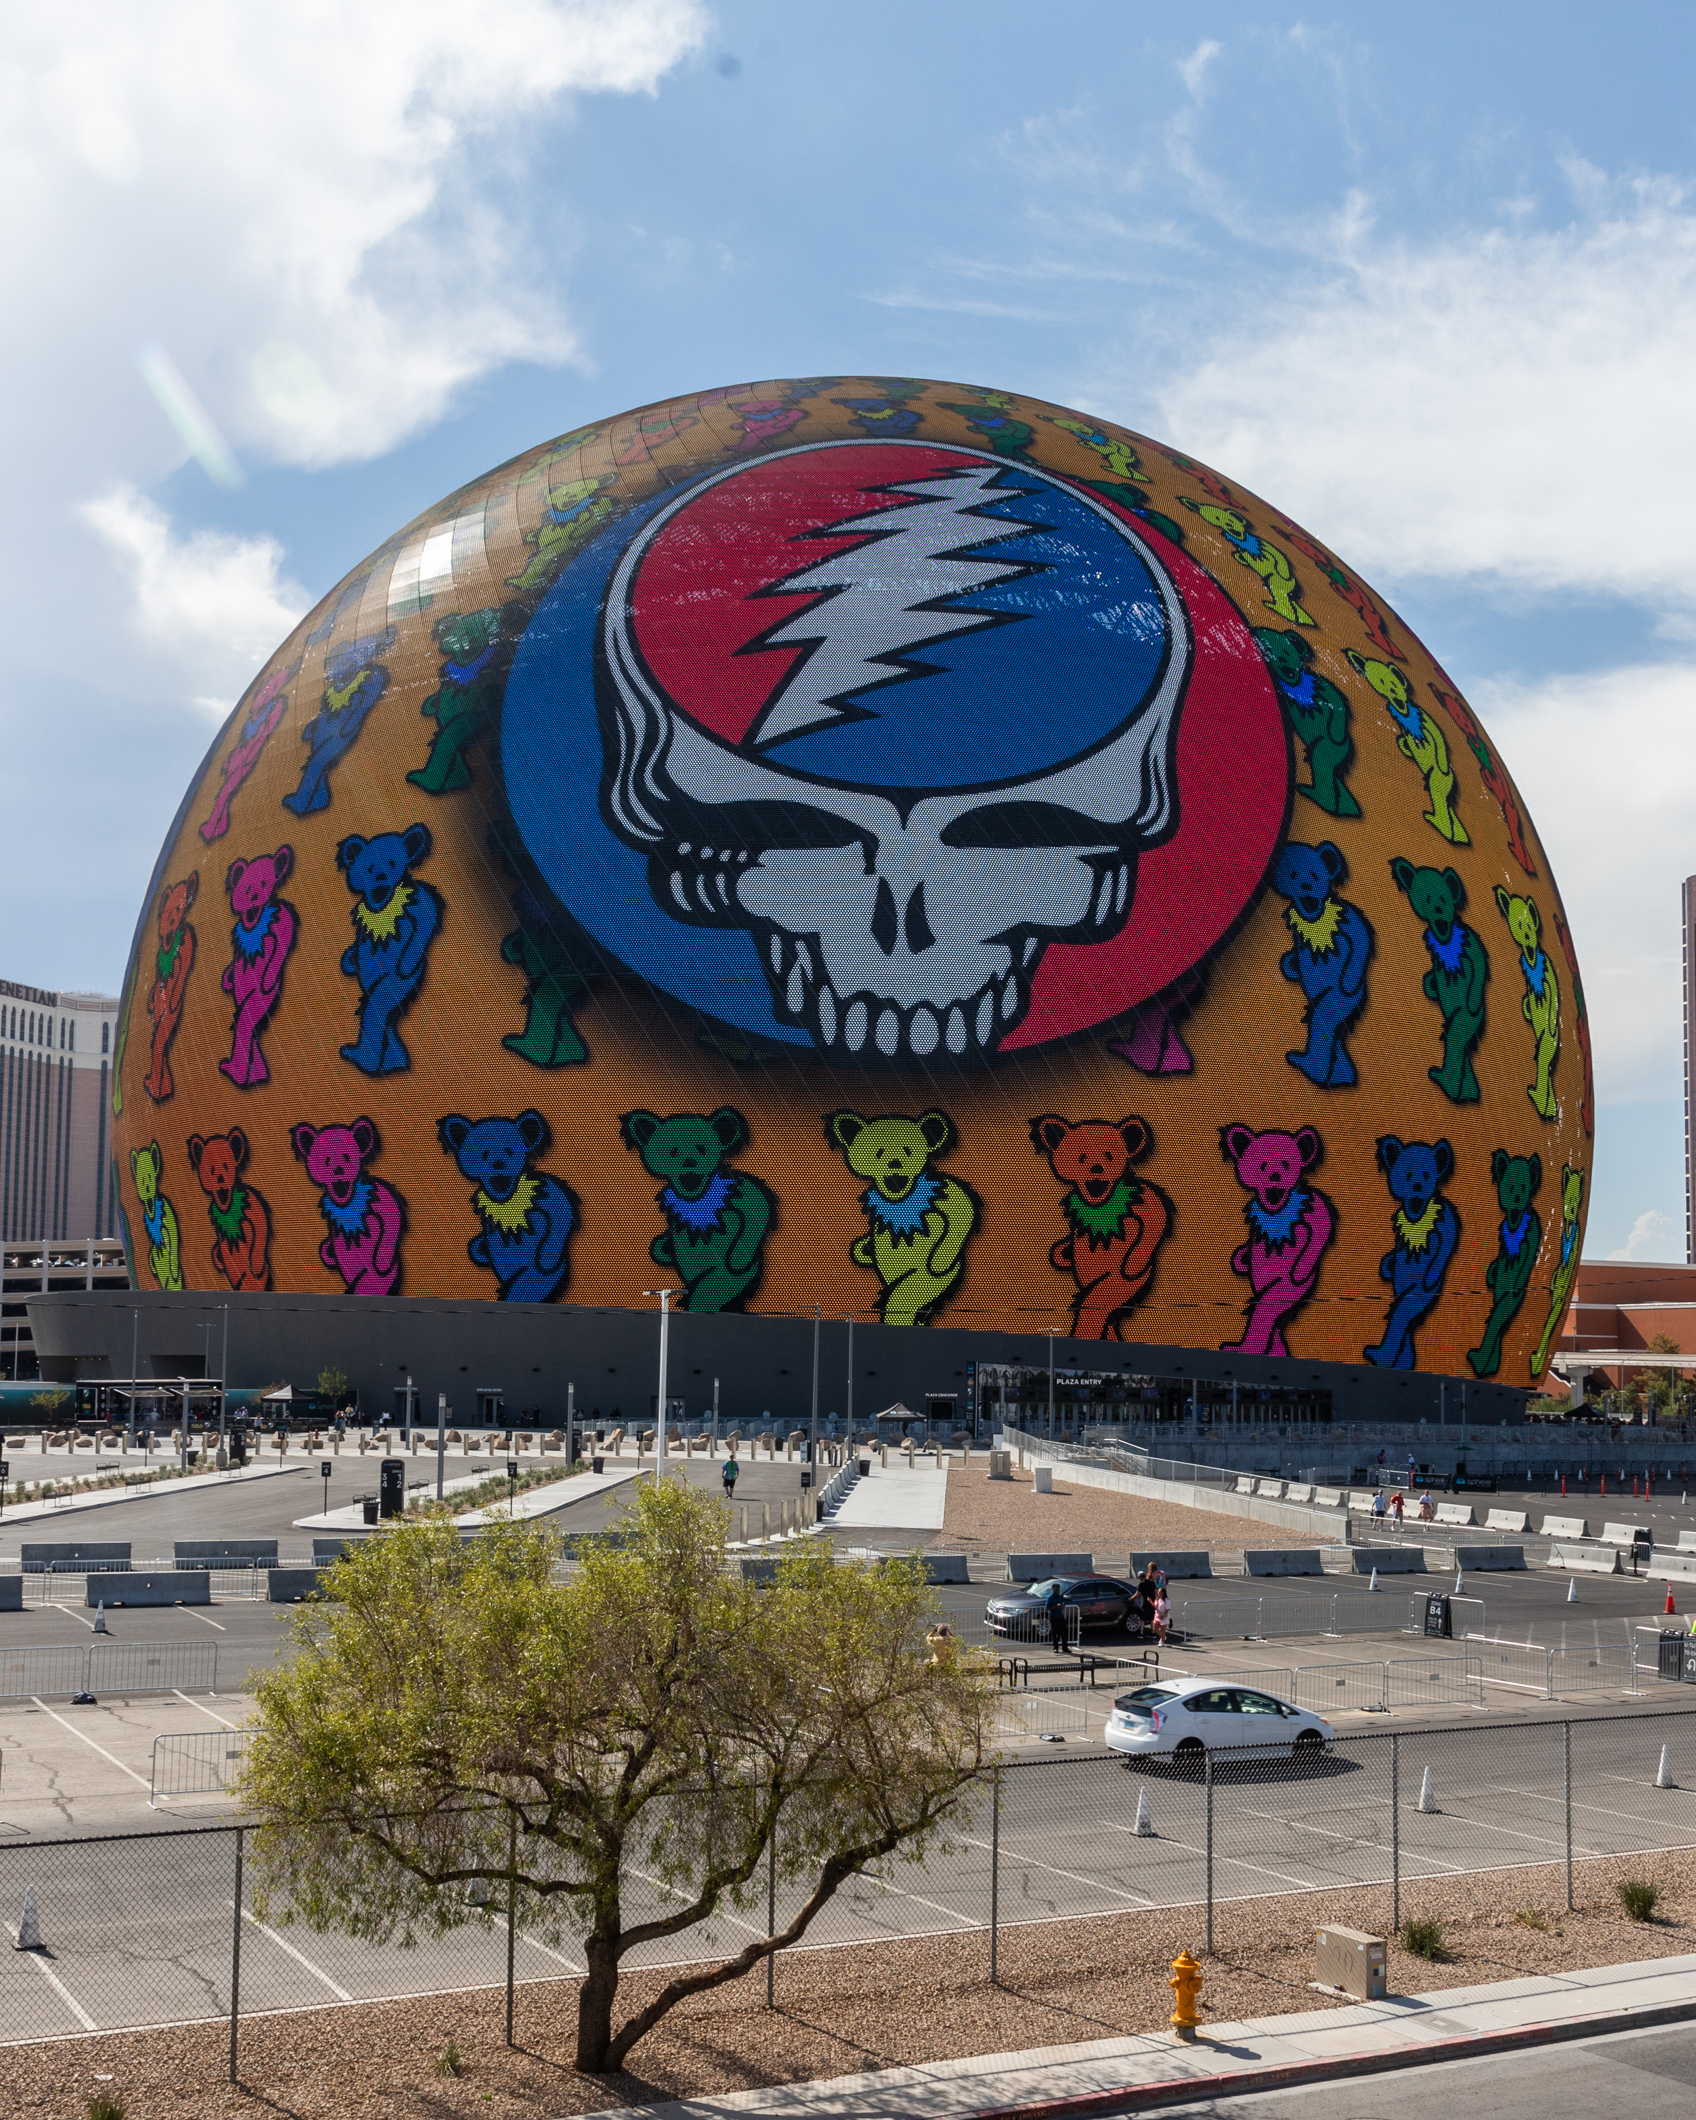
{"type": "Point", "coordinates": [1456, 1513]}
{"type": "Point", "coordinates": [1566, 1527]}
{"type": "Point", "coordinates": [1179, 1567]}
{"type": "Point", "coordinates": [1487, 1558]}
{"type": "Point", "coordinates": [1507, 1520]}
{"type": "Point", "coordinates": [1596, 1560]}
{"type": "Point", "coordinates": [1036, 1567]}
{"type": "Point", "coordinates": [1274, 1560]}
{"type": "Point", "coordinates": [1388, 1560]}
{"type": "Point", "coordinates": [189, 1586]}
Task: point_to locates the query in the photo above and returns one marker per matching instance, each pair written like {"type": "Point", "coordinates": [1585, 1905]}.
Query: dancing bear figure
{"type": "Point", "coordinates": [366, 1217]}
{"type": "Point", "coordinates": [527, 1216]}
{"type": "Point", "coordinates": [1317, 711]}
{"type": "Point", "coordinates": [476, 649]}
{"type": "Point", "coordinates": [1290, 1225]}
{"type": "Point", "coordinates": [1333, 946]}
{"type": "Point", "coordinates": [1541, 1007]}
{"type": "Point", "coordinates": [1117, 1222]}
{"type": "Point", "coordinates": [264, 712]}
{"type": "Point", "coordinates": [1508, 1275]}
{"type": "Point", "coordinates": [354, 681]}
{"type": "Point", "coordinates": [241, 1220]}
{"type": "Point", "coordinates": [921, 1221]}
{"type": "Point", "coordinates": [1261, 556]}
{"type": "Point", "coordinates": [1419, 739]}
{"type": "Point", "coordinates": [264, 934]}
{"type": "Point", "coordinates": [395, 920]}
{"type": "Point", "coordinates": [1460, 971]}
{"type": "Point", "coordinates": [716, 1218]}
{"type": "Point", "coordinates": [173, 962]}
{"type": "Point", "coordinates": [1427, 1229]}
{"type": "Point", "coordinates": [1566, 1265]}
{"type": "Point", "coordinates": [158, 1218]}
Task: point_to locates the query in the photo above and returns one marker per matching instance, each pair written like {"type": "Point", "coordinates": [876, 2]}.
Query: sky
{"type": "Point", "coordinates": [279, 278]}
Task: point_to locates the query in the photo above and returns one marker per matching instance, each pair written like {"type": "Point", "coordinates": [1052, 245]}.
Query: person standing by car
{"type": "Point", "coordinates": [731, 1469]}
{"type": "Point", "coordinates": [1162, 1616]}
{"type": "Point", "coordinates": [1054, 1606]}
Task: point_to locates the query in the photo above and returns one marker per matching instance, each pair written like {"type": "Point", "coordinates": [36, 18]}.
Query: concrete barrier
{"type": "Point", "coordinates": [1328, 1497]}
{"type": "Point", "coordinates": [1673, 1567]}
{"type": "Point", "coordinates": [189, 1586]}
{"type": "Point", "coordinates": [1180, 1567]}
{"type": "Point", "coordinates": [287, 1586]}
{"type": "Point", "coordinates": [1271, 1560]}
{"type": "Point", "coordinates": [1566, 1527]}
{"type": "Point", "coordinates": [1507, 1520]}
{"type": "Point", "coordinates": [42, 1558]}
{"type": "Point", "coordinates": [1362, 1498]}
{"type": "Point", "coordinates": [11, 1593]}
{"type": "Point", "coordinates": [1388, 1560]}
{"type": "Point", "coordinates": [1296, 1492]}
{"type": "Point", "coordinates": [1487, 1558]}
{"type": "Point", "coordinates": [326, 1550]}
{"type": "Point", "coordinates": [1456, 1513]}
{"type": "Point", "coordinates": [1272, 1489]}
{"type": "Point", "coordinates": [1035, 1567]}
{"type": "Point", "coordinates": [1626, 1535]}
{"type": "Point", "coordinates": [1594, 1560]}
{"type": "Point", "coordinates": [1687, 1542]}
{"type": "Point", "coordinates": [1245, 1485]}
{"type": "Point", "coordinates": [219, 1552]}
{"type": "Point", "coordinates": [946, 1568]}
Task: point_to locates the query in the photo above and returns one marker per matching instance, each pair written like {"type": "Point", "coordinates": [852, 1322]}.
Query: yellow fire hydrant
{"type": "Point", "coordinates": [1185, 1984]}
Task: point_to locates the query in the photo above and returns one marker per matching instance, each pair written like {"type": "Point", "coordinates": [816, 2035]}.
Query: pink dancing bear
{"type": "Point", "coordinates": [265, 710]}
{"type": "Point", "coordinates": [365, 1216]}
{"type": "Point", "coordinates": [1289, 1227]}
{"type": "Point", "coordinates": [265, 932]}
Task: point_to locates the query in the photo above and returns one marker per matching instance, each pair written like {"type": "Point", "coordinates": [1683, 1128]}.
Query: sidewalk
{"type": "Point", "coordinates": [58, 1506]}
{"type": "Point", "coordinates": [890, 1498]}
{"type": "Point", "coordinates": [1270, 2053]}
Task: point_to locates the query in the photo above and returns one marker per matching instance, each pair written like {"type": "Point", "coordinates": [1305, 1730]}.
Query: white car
{"type": "Point", "coordinates": [1183, 1719]}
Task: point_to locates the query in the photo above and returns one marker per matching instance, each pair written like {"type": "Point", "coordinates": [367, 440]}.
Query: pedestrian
{"type": "Point", "coordinates": [1054, 1607]}
{"type": "Point", "coordinates": [1427, 1509]}
{"type": "Point", "coordinates": [1396, 1505]}
{"type": "Point", "coordinates": [1162, 1616]}
{"type": "Point", "coordinates": [1378, 1503]}
{"type": "Point", "coordinates": [731, 1469]}
{"type": "Point", "coordinates": [942, 1645]}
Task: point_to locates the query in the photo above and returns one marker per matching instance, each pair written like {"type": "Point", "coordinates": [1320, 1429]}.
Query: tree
{"type": "Point", "coordinates": [333, 1384]}
{"type": "Point", "coordinates": [620, 1755]}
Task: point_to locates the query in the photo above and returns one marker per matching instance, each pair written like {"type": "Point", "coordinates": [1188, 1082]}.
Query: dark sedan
{"type": "Point", "coordinates": [1098, 1600]}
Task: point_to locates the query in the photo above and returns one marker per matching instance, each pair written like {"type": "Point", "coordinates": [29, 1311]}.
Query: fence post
{"type": "Point", "coordinates": [511, 1916]}
{"type": "Point", "coordinates": [235, 1958]}
{"type": "Point", "coordinates": [1395, 1835]}
{"type": "Point", "coordinates": [1210, 1854]}
{"type": "Point", "coordinates": [1549, 1674]}
{"type": "Point", "coordinates": [995, 1882]}
{"type": "Point", "coordinates": [771, 1917]}
{"type": "Point", "coordinates": [1566, 1758]}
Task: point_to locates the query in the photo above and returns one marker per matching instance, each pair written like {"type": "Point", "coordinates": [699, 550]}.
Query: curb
{"type": "Point", "coordinates": [1290, 2075]}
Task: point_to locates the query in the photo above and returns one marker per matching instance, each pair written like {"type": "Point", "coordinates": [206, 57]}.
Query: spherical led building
{"type": "Point", "coordinates": [885, 844]}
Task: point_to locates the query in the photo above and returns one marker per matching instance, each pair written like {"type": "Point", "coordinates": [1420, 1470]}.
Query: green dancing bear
{"type": "Point", "coordinates": [1460, 971]}
{"type": "Point", "coordinates": [1518, 1242]}
{"type": "Point", "coordinates": [716, 1219]}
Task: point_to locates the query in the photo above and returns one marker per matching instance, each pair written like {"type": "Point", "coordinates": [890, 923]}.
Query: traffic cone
{"type": "Point", "coordinates": [1669, 1606]}
{"type": "Point", "coordinates": [1428, 1793]}
{"type": "Point", "coordinates": [100, 1626]}
{"type": "Point", "coordinates": [1572, 1589]}
{"type": "Point", "coordinates": [1145, 1818]}
{"type": "Point", "coordinates": [1663, 1773]}
{"type": "Point", "coordinates": [1374, 1582]}
{"type": "Point", "coordinates": [29, 1929]}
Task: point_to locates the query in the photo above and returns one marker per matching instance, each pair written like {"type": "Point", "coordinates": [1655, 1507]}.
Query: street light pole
{"type": "Point", "coordinates": [665, 1295]}
{"type": "Point", "coordinates": [1051, 1385]}
{"type": "Point", "coordinates": [850, 1380]}
{"type": "Point", "coordinates": [441, 1442]}
{"type": "Point", "coordinates": [813, 1433]}
{"type": "Point", "coordinates": [715, 1413]}
{"type": "Point", "coordinates": [135, 1337]}
{"type": "Point", "coordinates": [570, 1426]}
{"type": "Point", "coordinates": [224, 1380]}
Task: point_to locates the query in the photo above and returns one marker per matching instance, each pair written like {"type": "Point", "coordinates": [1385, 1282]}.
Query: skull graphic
{"type": "Point", "coordinates": [892, 923]}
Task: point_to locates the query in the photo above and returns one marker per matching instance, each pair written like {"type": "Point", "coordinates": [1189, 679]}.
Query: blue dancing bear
{"type": "Point", "coordinates": [527, 1216]}
{"type": "Point", "coordinates": [1427, 1229]}
{"type": "Point", "coordinates": [395, 920]}
{"type": "Point", "coordinates": [354, 681]}
{"type": "Point", "coordinates": [1333, 946]}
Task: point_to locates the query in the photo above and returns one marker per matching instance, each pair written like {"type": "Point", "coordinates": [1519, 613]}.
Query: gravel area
{"type": "Point", "coordinates": [989, 1516]}
{"type": "Point", "coordinates": [843, 2012]}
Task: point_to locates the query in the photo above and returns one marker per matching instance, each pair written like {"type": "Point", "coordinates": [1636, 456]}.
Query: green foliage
{"type": "Point", "coordinates": [1534, 1918]}
{"type": "Point", "coordinates": [50, 1401]}
{"type": "Point", "coordinates": [450, 2062]}
{"type": "Point", "coordinates": [1423, 1938]}
{"type": "Point", "coordinates": [649, 1729]}
{"type": "Point", "coordinates": [107, 2105]}
{"type": "Point", "coordinates": [333, 1383]}
{"type": "Point", "coordinates": [1639, 1897]}
{"type": "Point", "coordinates": [495, 1489]}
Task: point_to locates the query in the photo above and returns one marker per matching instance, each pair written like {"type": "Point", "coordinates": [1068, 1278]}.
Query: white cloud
{"type": "Point", "coordinates": [215, 604]}
{"type": "Point", "coordinates": [1651, 1234]}
{"type": "Point", "coordinates": [295, 199]}
{"type": "Point", "coordinates": [1510, 406]}
{"type": "Point", "coordinates": [1607, 767]}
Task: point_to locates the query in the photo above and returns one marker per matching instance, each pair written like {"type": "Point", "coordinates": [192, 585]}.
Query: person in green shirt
{"type": "Point", "coordinates": [731, 1468]}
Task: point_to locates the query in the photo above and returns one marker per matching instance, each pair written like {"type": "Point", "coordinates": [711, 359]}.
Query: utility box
{"type": "Point", "coordinates": [1349, 1960]}
{"type": "Point", "coordinates": [1001, 1464]}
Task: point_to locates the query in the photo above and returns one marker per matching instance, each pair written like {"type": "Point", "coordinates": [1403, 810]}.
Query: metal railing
{"type": "Point", "coordinates": [62, 1671]}
{"type": "Point", "coordinates": [196, 1762]}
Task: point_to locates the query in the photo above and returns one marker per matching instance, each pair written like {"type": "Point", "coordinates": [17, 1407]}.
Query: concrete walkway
{"type": "Point", "coordinates": [1269, 2053]}
{"type": "Point", "coordinates": [58, 1506]}
{"type": "Point", "coordinates": [890, 1498]}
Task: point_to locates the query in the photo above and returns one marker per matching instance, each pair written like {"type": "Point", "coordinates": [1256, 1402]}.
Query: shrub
{"type": "Point", "coordinates": [107, 2105]}
{"type": "Point", "coordinates": [450, 2062]}
{"type": "Point", "coordinates": [1639, 1898]}
{"type": "Point", "coordinates": [1532, 1918]}
{"type": "Point", "coordinates": [1423, 1938]}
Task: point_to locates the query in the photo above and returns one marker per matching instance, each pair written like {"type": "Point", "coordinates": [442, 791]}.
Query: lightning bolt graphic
{"type": "Point", "coordinates": [889, 596]}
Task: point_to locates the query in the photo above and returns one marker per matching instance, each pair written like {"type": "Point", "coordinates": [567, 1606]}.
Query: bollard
{"type": "Point", "coordinates": [29, 1929]}
{"type": "Point", "coordinates": [1428, 1794]}
{"type": "Point", "coordinates": [1663, 1773]}
{"type": "Point", "coordinates": [1185, 1983]}
{"type": "Point", "coordinates": [1572, 1590]}
{"type": "Point", "coordinates": [100, 1626]}
{"type": "Point", "coordinates": [1374, 1582]}
{"type": "Point", "coordinates": [1145, 1818]}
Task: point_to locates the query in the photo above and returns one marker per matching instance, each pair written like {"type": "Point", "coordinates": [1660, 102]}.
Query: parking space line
{"type": "Point", "coordinates": [1606, 1810]}
{"type": "Point", "coordinates": [546, 1950]}
{"type": "Point", "coordinates": [936, 1906]}
{"type": "Point", "coordinates": [300, 1958]}
{"type": "Point", "coordinates": [193, 1614]}
{"type": "Point", "coordinates": [1382, 1847]}
{"type": "Point", "coordinates": [202, 1707]}
{"type": "Point", "coordinates": [56, 1984]}
{"type": "Point", "coordinates": [1095, 1884]}
{"type": "Point", "coordinates": [1490, 1825]}
{"type": "Point", "coordinates": [92, 1746]}
{"type": "Point", "coordinates": [1260, 1869]}
{"type": "Point", "coordinates": [671, 1892]}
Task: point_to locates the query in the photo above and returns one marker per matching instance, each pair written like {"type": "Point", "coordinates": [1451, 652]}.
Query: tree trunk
{"type": "Point", "coordinates": [595, 1999]}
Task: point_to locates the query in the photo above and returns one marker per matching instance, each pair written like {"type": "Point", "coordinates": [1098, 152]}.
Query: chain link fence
{"type": "Point", "coordinates": [158, 1929]}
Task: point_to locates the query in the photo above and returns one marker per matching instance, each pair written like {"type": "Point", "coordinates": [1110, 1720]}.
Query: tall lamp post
{"type": "Point", "coordinates": [665, 1295]}
{"type": "Point", "coordinates": [850, 1380]}
{"type": "Point", "coordinates": [224, 1380]}
{"type": "Point", "coordinates": [813, 1432]}
{"type": "Point", "coordinates": [1051, 1332]}
{"type": "Point", "coordinates": [135, 1338]}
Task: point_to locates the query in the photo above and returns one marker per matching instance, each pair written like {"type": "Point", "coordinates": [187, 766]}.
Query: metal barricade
{"type": "Point", "coordinates": [1325, 1688]}
{"type": "Point", "coordinates": [151, 1667]}
{"type": "Point", "coordinates": [1026, 1718]}
{"type": "Point", "coordinates": [57, 1669]}
{"type": "Point", "coordinates": [1521, 1667]}
{"type": "Point", "coordinates": [1423, 1681]}
{"type": "Point", "coordinates": [1602, 1667]}
{"type": "Point", "coordinates": [196, 1762]}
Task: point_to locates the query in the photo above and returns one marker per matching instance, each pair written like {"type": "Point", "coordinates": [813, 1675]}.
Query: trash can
{"type": "Point", "coordinates": [806, 1481]}
{"type": "Point", "coordinates": [597, 1465]}
{"type": "Point", "coordinates": [865, 1468]}
{"type": "Point", "coordinates": [368, 1508]}
{"type": "Point", "coordinates": [391, 1487]}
